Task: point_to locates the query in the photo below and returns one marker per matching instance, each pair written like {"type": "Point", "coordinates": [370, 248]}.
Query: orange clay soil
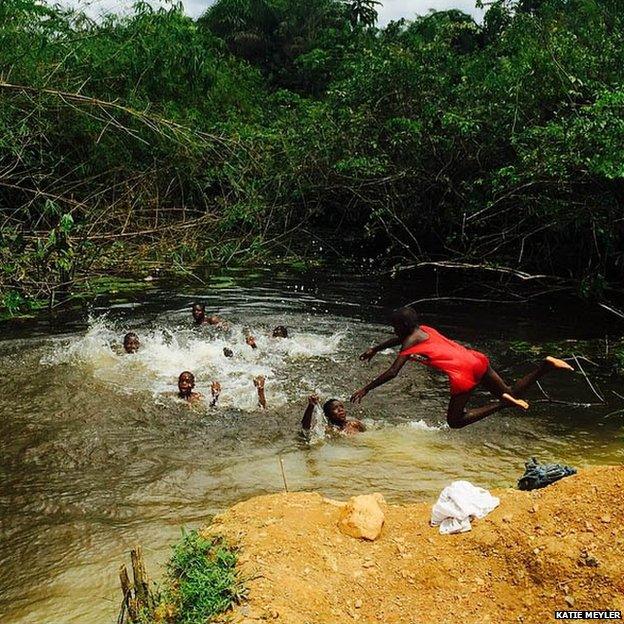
{"type": "Point", "coordinates": [553, 549]}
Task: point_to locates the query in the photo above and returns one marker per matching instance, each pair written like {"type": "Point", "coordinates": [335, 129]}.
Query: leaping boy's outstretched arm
{"type": "Point", "coordinates": [391, 373]}
{"type": "Point", "coordinates": [306, 421]}
{"type": "Point", "coordinates": [368, 355]}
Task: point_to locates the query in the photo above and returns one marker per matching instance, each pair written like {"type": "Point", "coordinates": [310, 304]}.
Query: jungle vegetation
{"type": "Point", "coordinates": [270, 128]}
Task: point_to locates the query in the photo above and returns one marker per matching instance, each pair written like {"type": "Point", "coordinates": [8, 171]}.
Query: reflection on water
{"type": "Point", "coordinates": [95, 457]}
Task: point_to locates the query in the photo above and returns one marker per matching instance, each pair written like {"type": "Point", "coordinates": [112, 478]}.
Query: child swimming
{"type": "Point", "coordinates": [465, 368]}
{"type": "Point", "coordinates": [335, 413]}
{"type": "Point", "coordinates": [186, 383]}
{"type": "Point", "coordinates": [131, 342]}
{"type": "Point", "coordinates": [199, 316]}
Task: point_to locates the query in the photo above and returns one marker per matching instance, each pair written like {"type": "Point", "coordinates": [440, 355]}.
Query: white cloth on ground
{"type": "Point", "coordinates": [458, 503]}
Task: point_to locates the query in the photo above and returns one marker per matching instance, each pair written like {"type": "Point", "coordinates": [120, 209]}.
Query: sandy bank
{"type": "Point", "coordinates": [557, 548]}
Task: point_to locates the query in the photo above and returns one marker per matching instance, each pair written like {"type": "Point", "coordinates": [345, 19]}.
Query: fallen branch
{"type": "Point", "coordinates": [523, 275]}
{"type": "Point", "coordinates": [469, 299]}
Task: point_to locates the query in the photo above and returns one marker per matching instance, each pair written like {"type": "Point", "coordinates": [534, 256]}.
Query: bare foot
{"type": "Point", "coordinates": [557, 363]}
{"type": "Point", "coordinates": [515, 402]}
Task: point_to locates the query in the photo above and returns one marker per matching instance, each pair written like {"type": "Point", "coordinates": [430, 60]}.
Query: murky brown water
{"type": "Point", "coordinates": [95, 460]}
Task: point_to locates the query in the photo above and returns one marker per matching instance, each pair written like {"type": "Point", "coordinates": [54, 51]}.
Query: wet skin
{"type": "Point", "coordinates": [131, 344]}
{"type": "Point", "coordinates": [199, 314]}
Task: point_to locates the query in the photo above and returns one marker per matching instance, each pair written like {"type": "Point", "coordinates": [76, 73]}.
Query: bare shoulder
{"type": "Point", "coordinates": [416, 337]}
{"type": "Point", "coordinates": [195, 397]}
{"type": "Point", "coordinates": [355, 426]}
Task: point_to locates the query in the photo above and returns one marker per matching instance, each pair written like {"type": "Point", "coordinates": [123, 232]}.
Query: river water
{"type": "Point", "coordinates": [95, 457]}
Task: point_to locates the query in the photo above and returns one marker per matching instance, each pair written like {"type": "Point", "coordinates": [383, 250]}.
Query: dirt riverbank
{"type": "Point", "coordinates": [557, 548]}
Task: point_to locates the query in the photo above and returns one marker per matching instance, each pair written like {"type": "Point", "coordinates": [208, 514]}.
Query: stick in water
{"type": "Point", "coordinates": [281, 462]}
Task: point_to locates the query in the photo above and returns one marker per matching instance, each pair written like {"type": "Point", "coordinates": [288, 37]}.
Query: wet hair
{"type": "Point", "coordinates": [228, 352]}
{"type": "Point", "coordinates": [327, 407]}
{"type": "Point", "coordinates": [405, 319]}
{"type": "Point", "coordinates": [128, 336]}
{"type": "Point", "coordinates": [280, 332]}
{"type": "Point", "coordinates": [201, 306]}
{"type": "Point", "coordinates": [188, 375]}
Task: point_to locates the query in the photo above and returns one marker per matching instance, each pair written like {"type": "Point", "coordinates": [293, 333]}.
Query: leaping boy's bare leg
{"type": "Point", "coordinates": [509, 396]}
{"type": "Point", "coordinates": [493, 382]}
{"type": "Point", "coordinates": [458, 416]}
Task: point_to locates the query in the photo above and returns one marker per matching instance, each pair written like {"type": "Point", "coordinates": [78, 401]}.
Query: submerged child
{"type": "Point", "coordinates": [131, 342]}
{"type": "Point", "coordinates": [335, 413]}
{"type": "Point", "coordinates": [465, 368]}
{"type": "Point", "coordinates": [280, 332]}
{"type": "Point", "coordinates": [199, 316]}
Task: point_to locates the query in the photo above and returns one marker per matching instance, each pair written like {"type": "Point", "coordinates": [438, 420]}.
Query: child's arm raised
{"type": "Point", "coordinates": [259, 383]}
{"type": "Point", "coordinates": [370, 353]}
{"type": "Point", "coordinates": [306, 421]}
{"type": "Point", "coordinates": [215, 389]}
{"type": "Point", "coordinates": [391, 373]}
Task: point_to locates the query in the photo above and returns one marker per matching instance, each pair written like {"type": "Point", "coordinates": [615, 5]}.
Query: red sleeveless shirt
{"type": "Point", "coordinates": [464, 367]}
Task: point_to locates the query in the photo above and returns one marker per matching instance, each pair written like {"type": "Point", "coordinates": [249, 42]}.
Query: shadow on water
{"type": "Point", "coordinates": [96, 457]}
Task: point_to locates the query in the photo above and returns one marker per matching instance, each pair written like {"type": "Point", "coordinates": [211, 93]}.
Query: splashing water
{"type": "Point", "coordinates": [164, 353]}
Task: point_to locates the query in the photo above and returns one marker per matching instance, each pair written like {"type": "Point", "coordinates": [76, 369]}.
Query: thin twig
{"type": "Point", "coordinates": [617, 394]}
{"type": "Point", "coordinates": [616, 412]}
{"type": "Point", "coordinates": [615, 311]}
{"type": "Point", "coordinates": [471, 299]}
{"type": "Point", "coordinates": [281, 463]}
{"type": "Point", "coordinates": [587, 378]}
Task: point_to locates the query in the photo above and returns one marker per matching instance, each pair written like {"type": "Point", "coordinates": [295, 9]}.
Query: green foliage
{"type": "Point", "coordinates": [152, 135]}
{"type": "Point", "coordinates": [202, 582]}
{"type": "Point", "coordinates": [618, 353]}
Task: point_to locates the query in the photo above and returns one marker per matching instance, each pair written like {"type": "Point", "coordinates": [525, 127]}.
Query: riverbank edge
{"type": "Point", "coordinates": [558, 548]}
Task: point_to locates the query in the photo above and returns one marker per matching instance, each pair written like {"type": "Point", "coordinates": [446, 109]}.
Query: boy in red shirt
{"type": "Point", "coordinates": [465, 368]}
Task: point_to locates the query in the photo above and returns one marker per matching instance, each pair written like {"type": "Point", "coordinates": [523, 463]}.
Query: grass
{"type": "Point", "coordinates": [202, 582]}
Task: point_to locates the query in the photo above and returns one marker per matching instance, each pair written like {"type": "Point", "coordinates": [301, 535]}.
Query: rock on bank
{"type": "Point", "coordinates": [561, 548]}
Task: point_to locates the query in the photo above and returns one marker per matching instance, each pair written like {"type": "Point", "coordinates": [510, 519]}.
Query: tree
{"type": "Point", "coordinates": [362, 12]}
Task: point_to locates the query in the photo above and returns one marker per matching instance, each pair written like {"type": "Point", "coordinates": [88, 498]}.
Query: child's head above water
{"type": "Point", "coordinates": [404, 321]}
{"type": "Point", "coordinates": [131, 342]}
{"type": "Point", "coordinates": [199, 312]}
{"type": "Point", "coordinates": [186, 383]}
{"type": "Point", "coordinates": [280, 332]}
{"type": "Point", "coordinates": [335, 412]}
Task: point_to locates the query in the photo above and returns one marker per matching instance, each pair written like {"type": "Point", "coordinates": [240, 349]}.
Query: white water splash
{"type": "Point", "coordinates": [423, 426]}
{"type": "Point", "coordinates": [164, 354]}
